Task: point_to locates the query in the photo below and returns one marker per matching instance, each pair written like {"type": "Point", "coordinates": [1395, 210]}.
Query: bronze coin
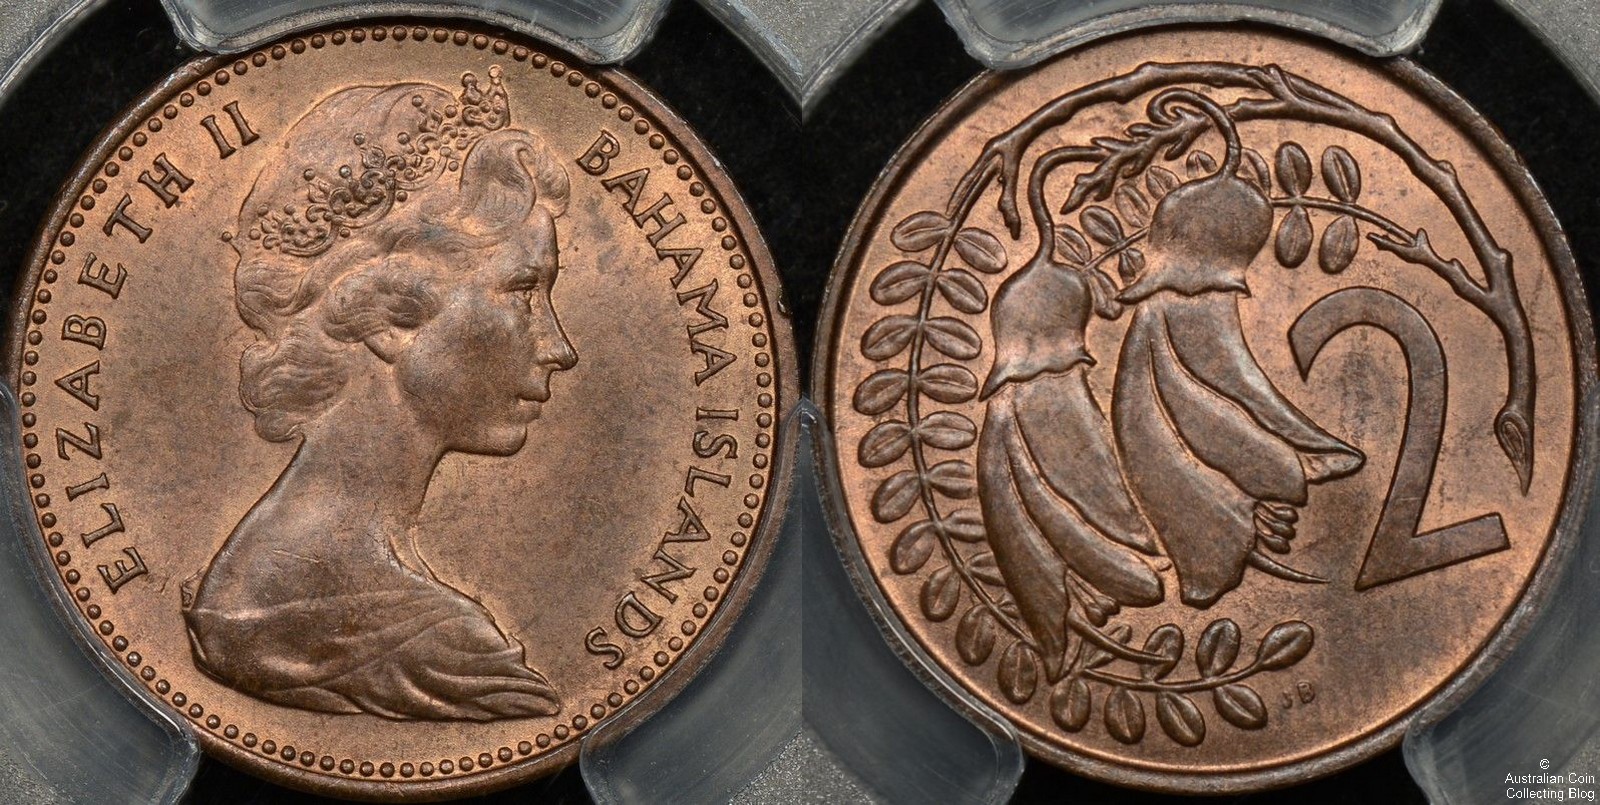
{"type": "Point", "coordinates": [1206, 402]}
{"type": "Point", "coordinates": [400, 404]}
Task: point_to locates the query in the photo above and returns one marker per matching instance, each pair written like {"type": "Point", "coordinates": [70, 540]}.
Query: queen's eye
{"type": "Point", "coordinates": [531, 281]}
{"type": "Point", "coordinates": [526, 288]}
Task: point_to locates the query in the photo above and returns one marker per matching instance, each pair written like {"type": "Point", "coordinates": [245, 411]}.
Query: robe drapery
{"type": "Point", "coordinates": [354, 631]}
{"type": "Point", "coordinates": [1204, 435]}
{"type": "Point", "coordinates": [1052, 494]}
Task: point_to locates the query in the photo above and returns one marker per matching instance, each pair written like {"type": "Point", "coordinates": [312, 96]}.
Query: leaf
{"type": "Point", "coordinates": [963, 291]}
{"type": "Point", "coordinates": [1199, 164]}
{"type": "Point", "coordinates": [975, 636]}
{"type": "Point", "coordinates": [1069, 704]}
{"type": "Point", "coordinates": [1101, 224]}
{"type": "Point", "coordinates": [953, 337]}
{"type": "Point", "coordinates": [1180, 718]}
{"type": "Point", "coordinates": [896, 496]}
{"type": "Point", "coordinates": [1294, 169]}
{"type": "Point", "coordinates": [1285, 644]}
{"type": "Point", "coordinates": [880, 391]}
{"type": "Point", "coordinates": [947, 430]}
{"type": "Point", "coordinates": [899, 282]}
{"type": "Point", "coordinates": [983, 568]}
{"type": "Point", "coordinates": [1160, 181]}
{"type": "Point", "coordinates": [1018, 672]}
{"type": "Point", "coordinates": [1339, 243]}
{"type": "Point", "coordinates": [912, 548]}
{"type": "Point", "coordinates": [1186, 138]}
{"type": "Point", "coordinates": [940, 594]}
{"type": "Point", "coordinates": [920, 231]}
{"type": "Point", "coordinates": [1113, 143]}
{"type": "Point", "coordinates": [965, 525]}
{"type": "Point", "coordinates": [1073, 246]}
{"type": "Point", "coordinates": [1294, 238]}
{"type": "Point", "coordinates": [1341, 173]}
{"type": "Point", "coordinates": [1255, 169]}
{"type": "Point", "coordinates": [953, 478]}
{"type": "Point", "coordinates": [1095, 657]}
{"type": "Point", "coordinates": [884, 444]}
{"type": "Point", "coordinates": [1240, 706]}
{"type": "Point", "coordinates": [1272, 542]}
{"type": "Point", "coordinates": [1133, 206]}
{"type": "Point", "coordinates": [1104, 292]}
{"type": "Point", "coordinates": [1167, 641]}
{"type": "Point", "coordinates": [887, 337]}
{"type": "Point", "coordinates": [1218, 648]}
{"type": "Point", "coordinates": [948, 383]}
{"type": "Point", "coordinates": [981, 250]}
{"type": "Point", "coordinates": [1124, 716]}
{"type": "Point", "coordinates": [1130, 264]}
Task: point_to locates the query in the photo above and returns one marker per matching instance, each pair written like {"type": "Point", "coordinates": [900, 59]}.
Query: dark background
{"type": "Point", "coordinates": [803, 180]}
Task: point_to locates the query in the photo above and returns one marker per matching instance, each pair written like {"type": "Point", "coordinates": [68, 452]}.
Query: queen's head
{"type": "Point", "coordinates": [395, 261]}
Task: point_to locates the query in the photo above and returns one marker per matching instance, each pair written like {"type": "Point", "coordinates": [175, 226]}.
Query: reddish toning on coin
{"type": "Point", "coordinates": [1207, 402]}
{"type": "Point", "coordinates": [400, 403]}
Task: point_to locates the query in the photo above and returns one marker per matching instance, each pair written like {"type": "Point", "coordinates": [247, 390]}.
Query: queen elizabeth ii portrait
{"type": "Point", "coordinates": [395, 262]}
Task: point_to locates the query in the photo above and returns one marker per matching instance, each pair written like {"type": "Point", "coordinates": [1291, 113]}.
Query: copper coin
{"type": "Point", "coordinates": [400, 404]}
{"type": "Point", "coordinates": [1206, 402]}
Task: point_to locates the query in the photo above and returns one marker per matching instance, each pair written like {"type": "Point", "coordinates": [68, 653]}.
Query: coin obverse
{"type": "Point", "coordinates": [1207, 402]}
{"type": "Point", "coordinates": [399, 404]}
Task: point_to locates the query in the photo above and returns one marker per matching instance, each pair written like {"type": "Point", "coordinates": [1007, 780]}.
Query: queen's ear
{"type": "Point", "coordinates": [390, 342]}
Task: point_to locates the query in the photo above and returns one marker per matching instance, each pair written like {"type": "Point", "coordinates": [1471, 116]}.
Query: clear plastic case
{"type": "Point", "coordinates": [1014, 33]}
{"type": "Point", "coordinates": [69, 730]}
{"type": "Point", "coordinates": [805, 702]}
{"type": "Point", "coordinates": [601, 32]}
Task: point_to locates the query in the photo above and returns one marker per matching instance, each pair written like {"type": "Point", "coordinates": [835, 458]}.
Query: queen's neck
{"type": "Point", "coordinates": [364, 464]}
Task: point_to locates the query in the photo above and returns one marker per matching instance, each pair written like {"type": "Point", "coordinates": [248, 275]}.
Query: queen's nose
{"type": "Point", "coordinates": [553, 346]}
{"type": "Point", "coordinates": [563, 355]}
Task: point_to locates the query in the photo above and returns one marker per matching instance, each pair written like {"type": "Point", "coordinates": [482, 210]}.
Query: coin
{"type": "Point", "coordinates": [1206, 402]}
{"type": "Point", "coordinates": [400, 404]}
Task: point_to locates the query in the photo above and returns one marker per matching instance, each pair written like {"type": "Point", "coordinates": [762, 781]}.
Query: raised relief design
{"type": "Point", "coordinates": [395, 262]}
{"type": "Point", "coordinates": [1197, 469]}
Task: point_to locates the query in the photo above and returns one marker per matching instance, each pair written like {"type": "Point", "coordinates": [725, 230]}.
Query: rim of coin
{"type": "Point", "coordinates": [1575, 500]}
{"type": "Point", "coordinates": [536, 58]}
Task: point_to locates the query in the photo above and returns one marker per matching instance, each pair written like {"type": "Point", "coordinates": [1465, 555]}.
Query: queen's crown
{"type": "Point", "coordinates": [358, 195]}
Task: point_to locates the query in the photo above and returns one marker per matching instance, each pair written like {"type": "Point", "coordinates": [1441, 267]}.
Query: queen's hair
{"type": "Point", "coordinates": [313, 308]}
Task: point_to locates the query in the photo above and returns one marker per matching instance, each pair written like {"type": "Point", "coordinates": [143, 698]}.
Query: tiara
{"type": "Point", "coordinates": [357, 195]}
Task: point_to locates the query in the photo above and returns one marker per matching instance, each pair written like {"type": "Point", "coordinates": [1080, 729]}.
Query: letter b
{"type": "Point", "coordinates": [91, 330]}
{"type": "Point", "coordinates": [597, 159]}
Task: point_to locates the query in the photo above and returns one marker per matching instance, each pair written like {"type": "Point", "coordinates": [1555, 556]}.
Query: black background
{"type": "Point", "coordinates": [803, 180]}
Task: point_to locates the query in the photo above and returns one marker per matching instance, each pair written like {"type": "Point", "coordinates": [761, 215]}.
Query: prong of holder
{"type": "Point", "coordinates": [69, 731]}
{"type": "Point", "coordinates": [805, 698]}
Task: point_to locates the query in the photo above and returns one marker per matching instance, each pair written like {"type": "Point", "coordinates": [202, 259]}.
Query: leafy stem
{"type": "Point", "coordinates": [1117, 248]}
{"type": "Point", "coordinates": [1159, 685]}
{"type": "Point", "coordinates": [1351, 209]}
{"type": "Point", "coordinates": [918, 457]}
{"type": "Point", "coordinates": [1411, 246]}
{"type": "Point", "coordinates": [987, 601]}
